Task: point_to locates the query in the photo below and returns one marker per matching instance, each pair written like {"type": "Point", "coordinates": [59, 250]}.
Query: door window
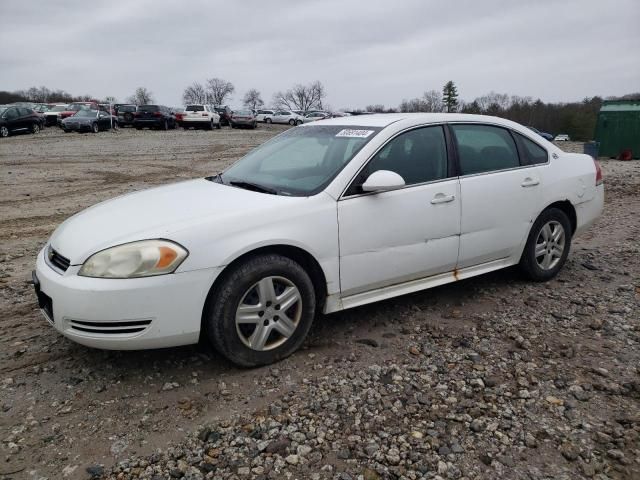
{"type": "Point", "coordinates": [11, 114]}
{"type": "Point", "coordinates": [418, 156]}
{"type": "Point", "coordinates": [484, 148]}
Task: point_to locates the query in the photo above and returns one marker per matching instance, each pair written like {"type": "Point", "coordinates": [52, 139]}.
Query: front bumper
{"type": "Point", "coordinates": [124, 314]}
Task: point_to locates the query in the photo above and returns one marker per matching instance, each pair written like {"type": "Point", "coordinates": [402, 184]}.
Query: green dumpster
{"type": "Point", "coordinates": [618, 128]}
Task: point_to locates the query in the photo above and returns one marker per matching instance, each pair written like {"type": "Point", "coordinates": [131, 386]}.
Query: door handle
{"type": "Point", "coordinates": [530, 182]}
{"type": "Point", "coordinates": [442, 198]}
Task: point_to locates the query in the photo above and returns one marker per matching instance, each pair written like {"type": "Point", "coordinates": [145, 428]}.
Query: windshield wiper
{"type": "Point", "coordinates": [254, 187]}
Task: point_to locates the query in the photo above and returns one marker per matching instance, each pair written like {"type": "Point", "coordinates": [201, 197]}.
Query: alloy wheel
{"type": "Point", "coordinates": [550, 245]}
{"type": "Point", "coordinates": [4, 132]}
{"type": "Point", "coordinates": [268, 313]}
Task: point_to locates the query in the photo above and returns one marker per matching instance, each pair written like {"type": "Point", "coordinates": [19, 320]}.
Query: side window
{"type": "Point", "coordinates": [484, 148]}
{"type": "Point", "coordinates": [25, 111]}
{"type": "Point", "coordinates": [11, 114]}
{"type": "Point", "coordinates": [418, 156]}
{"type": "Point", "coordinates": [531, 152]}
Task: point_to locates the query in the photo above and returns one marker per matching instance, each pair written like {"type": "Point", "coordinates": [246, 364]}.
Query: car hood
{"type": "Point", "coordinates": [157, 213]}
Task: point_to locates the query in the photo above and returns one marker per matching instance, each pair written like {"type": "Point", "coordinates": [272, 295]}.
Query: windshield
{"type": "Point", "coordinates": [58, 108]}
{"type": "Point", "coordinates": [86, 113]}
{"type": "Point", "coordinates": [301, 161]}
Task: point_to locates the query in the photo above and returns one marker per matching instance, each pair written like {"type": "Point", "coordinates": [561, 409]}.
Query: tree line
{"type": "Point", "coordinates": [577, 119]}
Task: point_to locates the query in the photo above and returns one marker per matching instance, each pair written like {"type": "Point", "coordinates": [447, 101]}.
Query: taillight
{"type": "Point", "coordinates": [205, 114]}
{"type": "Point", "coordinates": [158, 114]}
{"type": "Point", "coordinates": [599, 180]}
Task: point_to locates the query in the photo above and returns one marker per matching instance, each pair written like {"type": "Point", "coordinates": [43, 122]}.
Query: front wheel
{"type": "Point", "coordinates": [548, 245]}
{"type": "Point", "coordinates": [267, 120]}
{"type": "Point", "coordinates": [292, 122]}
{"type": "Point", "coordinates": [165, 125]}
{"type": "Point", "coordinates": [35, 128]}
{"type": "Point", "coordinates": [218, 126]}
{"type": "Point", "coordinates": [4, 132]}
{"type": "Point", "coordinates": [261, 312]}
{"type": "Point", "coordinates": [95, 128]}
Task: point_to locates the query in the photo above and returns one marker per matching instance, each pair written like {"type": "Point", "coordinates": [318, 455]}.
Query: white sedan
{"type": "Point", "coordinates": [324, 217]}
{"type": "Point", "coordinates": [284, 116]}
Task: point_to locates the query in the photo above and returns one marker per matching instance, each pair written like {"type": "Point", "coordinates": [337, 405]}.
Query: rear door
{"type": "Point", "coordinates": [499, 194]}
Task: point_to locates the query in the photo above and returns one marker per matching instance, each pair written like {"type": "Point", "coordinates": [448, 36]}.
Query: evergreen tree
{"type": "Point", "coordinates": [450, 96]}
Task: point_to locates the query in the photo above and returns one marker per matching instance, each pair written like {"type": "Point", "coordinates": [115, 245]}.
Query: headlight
{"type": "Point", "coordinates": [137, 259]}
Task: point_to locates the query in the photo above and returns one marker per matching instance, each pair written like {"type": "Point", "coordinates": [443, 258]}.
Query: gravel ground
{"type": "Point", "coordinates": [491, 377]}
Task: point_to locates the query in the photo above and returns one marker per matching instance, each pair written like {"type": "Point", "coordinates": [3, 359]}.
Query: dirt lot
{"type": "Point", "coordinates": [492, 377]}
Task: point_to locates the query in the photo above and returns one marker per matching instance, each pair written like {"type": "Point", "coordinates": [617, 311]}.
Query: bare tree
{"type": "Point", "coordinates": [432, 101]}
{"type": "Point", "coordinates": [493, 102]}
{"type": "Point", "coordinates": [142, 96]}
{"type": "Point", "coordinates": [195, 93]}
{"type": "Point", "coordinates": [301, 97]}
{"type": "Point", "coordinates": [253, 99]}
{"type": "Point", "coordinates": [219, 90]}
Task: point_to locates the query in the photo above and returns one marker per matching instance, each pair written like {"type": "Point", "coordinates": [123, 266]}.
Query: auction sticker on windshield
{"type": "Point", "coordinates": [348, 132]}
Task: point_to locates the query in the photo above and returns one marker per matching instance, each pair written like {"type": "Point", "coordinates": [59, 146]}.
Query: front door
{"type": "Point", "coordinates": [405, 234]}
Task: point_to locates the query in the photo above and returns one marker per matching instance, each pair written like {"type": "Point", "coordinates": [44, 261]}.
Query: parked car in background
{"type": "Point", "coordinates": [72, 108]}
{"type": "Point", "coordinates": [545, 135]}
{"type": "Point", "coordinates": [18, 119]}
{"type": "Point", "coordinates": [285, 116]}
{"type": "Point", "coordinates": [261, 115]}
{"type": "Point", "coordinates": [89, 121]}
{"type": "Point", "coordinates": [321, 218]}
{"type": "Point", "coordinates": [302, 113]}
{"type": "Point", "coordinates": [154, 116]}
{"type": "Point", "coordinates": [126, 114]}
{"type": "Point", "coordinates": [225, 114]}
{"type": "Point", "coordinates": [562, 137]}
{"type": "Point", "coordinates": [243, 118]}
{"type": "Point", "coordinates": [51, 115]}
{"type": "Point", "coordinates": [178, 112]}
{"type": "Point", "coordinates": [200, 116]}
{"type": "Point", "coordinates": [312, 117]}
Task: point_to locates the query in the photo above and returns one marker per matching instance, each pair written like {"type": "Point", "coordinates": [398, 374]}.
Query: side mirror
{"type": "Point", "coordinates": [382, 180]}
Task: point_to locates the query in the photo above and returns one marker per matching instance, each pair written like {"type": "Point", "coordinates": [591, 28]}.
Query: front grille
{"type": "Point", "coordinates": [110, 328]}
{"type": "Point", "coordinates": [56, 260]}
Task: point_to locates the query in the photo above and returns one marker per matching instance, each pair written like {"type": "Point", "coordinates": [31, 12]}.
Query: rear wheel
{"type": "Point", "coordinates": [292, 122]}
{"type": "Point", "coordinates": [66, 130]}
{"type": "Point", "coordinates": [261, 312]}
{"type": "Point", "coordinates": [4, 132]}
{"type": "Point", "coordinates": [95, 128]}
{"type": "Point", "coordinates": [218, 126]}
{"type": "Point", "coordinates": [165, 125]}
{"type": "Point", "coordinates": [267, 120]}
{"type": "Point", "coordinates": [548, 245]}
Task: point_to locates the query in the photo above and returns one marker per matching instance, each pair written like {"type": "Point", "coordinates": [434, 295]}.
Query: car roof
{"type": "Point", "coordinates": [386, 119]}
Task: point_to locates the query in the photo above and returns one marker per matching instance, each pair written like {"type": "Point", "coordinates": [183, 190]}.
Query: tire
{"type": "Point", "coordinates": [218, 126]}
{"type": "Point", "coordinates": [165, 125]}
{"type": "Point", "coordinates": [240, 285]}
{"type": "Point", "coordinates": [211, 126]}
{"type": "Point", "coordinates": [292, 122]}
{"type": "Point", "coordinates": [35, 128]}
{"type": "Point", "coordinates": [548, 245]}
{"type": "Point", "coordinates": [267, 120]}
{"type": "Point", "coordinates": [66, 130]}
{"type": "Point", "coordinates": [232, 125]}
{"type": "Point", "coordinates": [254, 126]}
{"type": "Point", "coordinates": [4, 132]}
{"type": "Point", "coordinates": [138, 128]}
{"type": "Point", "coordinates": [115, 125]}
{"type": "Point", "coordinates": [95, 128]}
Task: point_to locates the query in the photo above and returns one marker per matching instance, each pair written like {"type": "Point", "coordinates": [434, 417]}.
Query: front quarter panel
{"type": "Point", "coordinates": [309, 223]}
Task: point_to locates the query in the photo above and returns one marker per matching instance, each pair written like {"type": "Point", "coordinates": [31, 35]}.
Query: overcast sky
{"type": "Point", "coordinates": [364, 51]}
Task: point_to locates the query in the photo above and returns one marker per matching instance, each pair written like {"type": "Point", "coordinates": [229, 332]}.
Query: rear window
{"type": "Point", "coordinates": [149, 108]}
{"type": "Point", "coordinates": [194, 108]}
{"type": "Point", "coordinates": [243, 112]}
{"type": "Point", "coordinates": [127, 108]}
